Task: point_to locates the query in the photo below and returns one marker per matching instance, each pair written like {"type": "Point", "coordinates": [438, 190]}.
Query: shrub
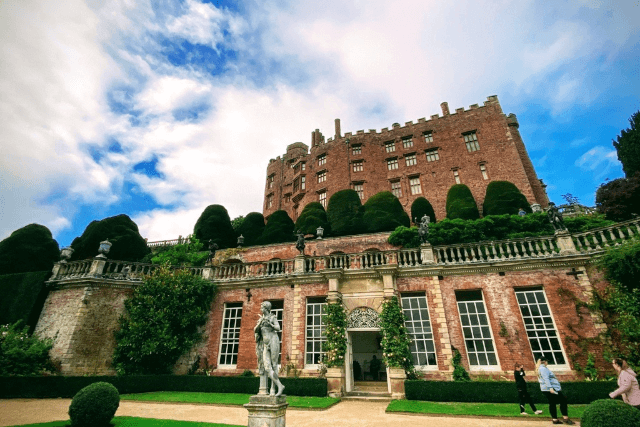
{"type": "Point", "coordinates": [313, 216]}
{"type": "Point", "coordinates": [122, 232]}
{"type": "Point", "coordinates": [335, 346]}
{"type": "Point", "coordinates": [459, 372]}
{"type": "Point", "coordinates": [214, 224]}
{"type": "Point", "coordinates": [21, 353]}
{"type": "Point", "coordinates": [461, 204]}
{"type": "Point", "coordinates": [619, 199]}
{"type": "Point", "coordinates": [421, 207]}
{"type": "Point", "coordinates": [30, 248]}
{"type": "Point", "coordinates": [279, 229]}
{"type": "Point", "coordinates": [344, 213]}
{"type": "Point", "coordinates": [621, 264]}
{"type": "Point", "coordinates": [503, 197]}
{"type": "Point", "coordinates": [383, 212]}
{"type": "Point", "coordinates": [251, 228]}
{"type": "Point", "coordinates": [580, 223]}
{"type": "Point", "coordinates": [94, 405]}
{"type": "Point", "coordinates": [405, 237]}
{"type": "Point", "coordinates": [23, 296]}
{"type": "Point", "coordinates": [190, 253]}
{"type": "Point", "coordinates": [610, 413]}
{"type": "Point", "coordinates": [395, 338]}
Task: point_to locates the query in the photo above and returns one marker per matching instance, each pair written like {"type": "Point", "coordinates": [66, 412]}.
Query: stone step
{"type": "Point", "coordinates": [367, 398]}
{"type": "Point", "coordinates": [382, 393]}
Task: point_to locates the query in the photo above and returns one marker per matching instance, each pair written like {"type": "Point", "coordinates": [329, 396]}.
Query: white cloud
{"type": "Point", "coordinates": [167, 93]}
{"type": "Point", "coordinates": [599, 161]}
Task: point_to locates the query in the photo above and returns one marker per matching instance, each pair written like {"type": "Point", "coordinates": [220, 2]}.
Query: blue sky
{"type": "Point", "coordinates": [159, 109]}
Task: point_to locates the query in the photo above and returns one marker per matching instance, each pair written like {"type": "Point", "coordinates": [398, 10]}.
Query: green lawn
{"type": "Point", "coordinates": [138, 422]}
{"type": "Point", "coordinates": [486, 409]}
{"type": "Point", "coordinates": [227, 399]}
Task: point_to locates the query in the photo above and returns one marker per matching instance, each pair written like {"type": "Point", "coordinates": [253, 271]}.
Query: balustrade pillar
{"type": "Point", "coordinates": [426, 252]}
{"type": "Point", "coordinates": [298, 264]}
{"type": "Point", "coordinates": [97, 267]}
{"type": "Point", "coordinates": [565, 242]}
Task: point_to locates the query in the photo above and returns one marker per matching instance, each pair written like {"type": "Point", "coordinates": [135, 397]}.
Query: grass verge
{"type": "Point", "coordinates": [138, 422]}
{"type": "Point", "coordinates": [475, 409]}
{"type": "Point", "coordinates": [303, 402]}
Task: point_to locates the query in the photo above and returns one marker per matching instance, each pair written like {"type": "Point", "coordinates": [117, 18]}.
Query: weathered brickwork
{"type": "Point", "coordinates": [362, 159]}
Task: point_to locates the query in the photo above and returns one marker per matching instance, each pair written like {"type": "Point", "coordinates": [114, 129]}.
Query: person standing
{"type": "Point", "coordinates": [550, 387]}
{"type": "Point", "coordinates": [627, 384]}
{"type": "Point", "coordinates": [523, 393]}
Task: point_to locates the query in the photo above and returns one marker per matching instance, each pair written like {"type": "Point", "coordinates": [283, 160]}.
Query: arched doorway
{"type": "Point", "coordinates": [363, 344]}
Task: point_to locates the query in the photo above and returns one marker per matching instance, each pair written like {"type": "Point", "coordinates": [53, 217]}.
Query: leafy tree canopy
{"type": "Point", "coordinates": [162, 321]}
{"type": "Point", "coordinates": [344, 213]}
{"type": "Point", "coordinates": [628, 146]}
{"type": "Point", "coordinates": [461, 204]}
{"type": "Point", "coordinates": [191, 253]}
{"type": "Point", "coordinates": [237, 222]}
{"type": "Point", "coordinates": [619, 199]}
{"type": "Point", "coordinates": [421, 207]}
{"type": "Point", "coordinates": [251, 228]}
{"type": "Point", "coordinates": [503, 197]}
{"type": "Point", "coordinates": [383, 212]}
{"type": "Point", "coordinates": [313, 216]}
{"type": "Point", "coordinates": [279, 229]}
{"type": "Point", "coordinates": [214, 224]}
{"type": "Point", "coordinates": [122, 232]}
{"type": "Point", "coordinates": [30, 248]}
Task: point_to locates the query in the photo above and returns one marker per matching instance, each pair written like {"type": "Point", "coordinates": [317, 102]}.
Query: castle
{"type": "Point", "coordinates": [423, 159]}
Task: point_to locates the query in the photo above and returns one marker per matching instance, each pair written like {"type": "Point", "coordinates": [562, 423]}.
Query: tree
{"type": "Point", "coordinates": [191, 253]}
{"type": "Point", "coordinates": [237, 222]}
{"type": "Point", "coordinates": [344, 213]}
{"type": "Point", "coordinates": [162, 321]}
{"type": "Point", "coordinates": [503, 197]}
{"type": "Point", "coordinates": [421, 207]}
{"type": "Point", "coordinates": [383, 212]}
{"type": "Point", "coordinates": [279, 229]}
{"type": "Point", "coordinates": [619, 199]}
{"type": "Point", "coordinates": [30, 248]}
{"type": "Point", "coordinates": [251, 228]}
{"type": "Point", "coordinates": [461, 204]}
{"type": "Point", "coordinates": [122, 232]}
{"type": "Point", "coordinates": [214, 224]}
{"type": "Point", "coordinates": [628, 146]}
{"type": "Point", "coordinates": [313, 216]}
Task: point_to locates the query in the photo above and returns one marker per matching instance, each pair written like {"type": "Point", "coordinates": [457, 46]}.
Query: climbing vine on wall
{"type": "Point", "coordinates": [335, 346]}
{"type": "Point", "coordinates": [395, 338]}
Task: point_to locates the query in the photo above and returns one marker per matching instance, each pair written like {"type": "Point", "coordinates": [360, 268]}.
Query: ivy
{"type": "Point", "coordinates": [335, 346]}
{"type": "Point", "coordinates": [395, 338]}
{"type": "Point", "coordinates": [185, 254]}
{"type": "Point", "coordinates": [459, 372]}
{"type": "Point", "coordinates": [162, 321]}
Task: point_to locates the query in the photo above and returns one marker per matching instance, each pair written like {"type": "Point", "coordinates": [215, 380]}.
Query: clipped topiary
{"type": "Point", "coordinates": [344, 213]}
{"type": "Point", "coordinates": [30, 248]}
{"type": "Point", "coordinates": [461, 204]}
{"type": "Point", "coordinates": [214, 224]}
{"type": "Point", "coordinates": [421, 207]}
{"type": "Point", "coordinates": [122, 232]}
{"type": "Point", "coordinates": [279, 229]}
{"type": "Point", "coordinates": [313, 216]}
{"type": "Point", "coordinates": [383, 212]}
{"type": "Point", "coordinates": [251, 228]}
{"type": "Point", "coordinates": [610, 413]}
{"type": "Point", "coordinates": [94, 405]}
{"type": "Point", "coordinates": [503, 197]}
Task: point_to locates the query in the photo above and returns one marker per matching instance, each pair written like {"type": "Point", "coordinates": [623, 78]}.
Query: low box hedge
{"type": "Point", "coordinates": [59, 386]}
{"type": "Point", "coordinates": [501, 391]}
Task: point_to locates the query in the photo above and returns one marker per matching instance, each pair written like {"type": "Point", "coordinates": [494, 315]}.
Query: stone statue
{"type": "Point", "coordinates": [555, 217]}
{"type": "Point", "coordinates": [213, 247]}
{"type": "Point", "coordinates": [423, 229]}
{"type": "Point", "coordinates": [300, 242]}
{"type": "Point", "coordinates": [268, 349]}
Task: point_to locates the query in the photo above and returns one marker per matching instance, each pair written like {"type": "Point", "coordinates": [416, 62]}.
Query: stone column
{"type": "Point", "coordinates": [335, 381]}
{"type": "Point", "coordinates": [97, 266]}
{"type": "Point", "coordinates": [298, 264]}
{"type": "Point", "coordinates": [565, 242]}
{"type": "Point", "coordinates": [333, 277]}
{"type": "Point", "coordinates": [388, 280]}
{"type": "Point", "coordinates": [426, 253]}
{"type": "Point", "coordinates": [396, 382]}
{"type": "Point", "coordinates": [267, 411]}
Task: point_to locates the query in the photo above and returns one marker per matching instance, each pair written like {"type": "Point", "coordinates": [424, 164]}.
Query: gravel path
{"type": "Point", "coordinates": [344, 414]}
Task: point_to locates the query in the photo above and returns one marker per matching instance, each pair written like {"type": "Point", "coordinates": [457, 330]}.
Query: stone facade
{"type": "Point", "coordinates": [361, 161]}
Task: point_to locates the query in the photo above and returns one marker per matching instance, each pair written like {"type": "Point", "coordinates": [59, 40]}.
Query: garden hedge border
{"type": "Point", "coordinates": [59, 386]}
{"type": "Point", "coordinates": [502, 391]}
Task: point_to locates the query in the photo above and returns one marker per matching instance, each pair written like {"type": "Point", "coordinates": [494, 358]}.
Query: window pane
{"type": "Point", "coordinates": [419, 329]}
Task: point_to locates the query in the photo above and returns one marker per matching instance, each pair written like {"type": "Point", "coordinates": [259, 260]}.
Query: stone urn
{"type": "Point", "coordinates": [66, 253]}
{"type": "Point", "coordinates": [335, 381]}
{"type": "Point", "coordinates": [105, 247]}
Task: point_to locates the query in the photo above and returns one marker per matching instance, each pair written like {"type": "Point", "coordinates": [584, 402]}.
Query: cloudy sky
{"type": "Point", "coordinates": [159, 108]}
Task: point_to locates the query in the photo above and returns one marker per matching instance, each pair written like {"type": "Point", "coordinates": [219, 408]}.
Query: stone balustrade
{"type": "Point", "coordinates": [599, 239]}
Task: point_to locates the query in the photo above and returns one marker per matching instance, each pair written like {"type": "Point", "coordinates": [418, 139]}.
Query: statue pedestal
{"type": "Point", "coordinates": [565, 242]}
{"type": "Point", "coordinates": [426, 253]}
{"type": "Point", "coordinates": [396, 382]}
{"type": "Point", "coordinates": [267, 411]}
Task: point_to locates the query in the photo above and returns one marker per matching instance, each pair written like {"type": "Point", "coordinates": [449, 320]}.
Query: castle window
{"type": "Point", "coordinates": [322, 198]}
{"type": "Point", "coordinates": [270, 179]}
{"type": "Point", "coordinates": [456, 176]}
{"type": "Point", "coordinates": [416, 313]}
{"type": "Point", "coordinates": [428, 136]}
{"type": "Point", "coordinates": [230, 337]}
{"type": "Point", "coordinates": [475, 329]}
{"type": "Point", "coordinates": [411, 160]}
{"type": "Point", "coordinates": [407, 142]}
{"type": "Point", "coordinates": [322, 159]}
{"type": "Point", "coordinates": [269, 201]}
{"type": "Point", "coordinates": [315, 330]}
{"type": "Point", "coordinates": [277, 308]}
{"type": "Point", "coordinates": [471, 140]}
{"type": "Point", "coordinates": [303, 182]}
{"type": "Point", "coordinates": [390, 146]}
{"type": "Point", "coordinates": [414, 185]}
{"type": "Point", "coordinates": [396, 188]}
{"type": "Point", "coordinates": [322, 176]}
{"type": "Point", "coordinates": [541, 331]}
{"type": "Point", "coordinates": [356, 149]}
{"type": "Point", "coordinates": [359, 188]}
{"type": "Point", "coordinates": [483, 170]}
{"type": "Point", "coordinates": [392, 164]}
{"type": "Point", "coordinates": [432, 155]}
{"type": "Point", "coordinates": [303, 165]}
{"type": "Point", "coordinates": [358, 166]}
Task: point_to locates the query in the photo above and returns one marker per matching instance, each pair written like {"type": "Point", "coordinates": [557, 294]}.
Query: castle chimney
{"type": "Point", "coordinates": [445, 108]}
{"type": "Point", "coordinates": [338, 133]}
{"type": "Point", "coordinates": [313, 138]}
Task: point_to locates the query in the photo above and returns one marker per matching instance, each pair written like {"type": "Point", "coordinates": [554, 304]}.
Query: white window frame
{"type": "Point", "coordinates": [411, 159]}
{"type": "Point", "coordinates": [471, 141]}
{"type": "Point", "coordinates": [390, 146]}
{"type": "Point", "coordinates": [322, 198]}
{"type": "Point", "coordinates": [322, 176]}
{"type": "Point", "coordinates": [407, 142]}
{"type": "Point", "coordinates": [428, 136]}
{"type": "Point", "coordinates": [456, 176]}
{"type": "Point", "coordinates": [317, 327]}
{"type": "Point", "coordinates": [483, 338]}
{"type": "Point", "coordinates": [432, 155]}
{"type": "Point", "coordinates": [358, 166]}
{"type": "Point", "coordinates": [392, 164]}
{"type": "Point", "coordinates": [356, 149]}
{"type": "Point", "coordinates": [359, 188]}
{"type": "Point", "coordinates": [233, 337]}
{"type": "Point", "coordinates": [417, 325]}
{"type": "Point", "coordinates": [415, 185]}
{"type": "Point", "coordinates": [483, 171]}
{"type": "Point", "coordinates": [398, 190]}
{"type": "Point", "coordinates": [322, 159]}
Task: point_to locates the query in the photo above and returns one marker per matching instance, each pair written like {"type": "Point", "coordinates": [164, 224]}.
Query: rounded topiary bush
{"type": "Point", "coordinates": [344, 213]}
{"type": "Point", "coordinates": [461, 204]}
{"type": "Point", "coordinates": [610, 413]}
{"type": "Point", "coordinates": [383, 212]}
{"type": "Point", "coordinates": [94, 405]}
{"type": "Point", "coordinates": [421, 207]}
{"type": "Point", "coordinates": [503, 197]}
